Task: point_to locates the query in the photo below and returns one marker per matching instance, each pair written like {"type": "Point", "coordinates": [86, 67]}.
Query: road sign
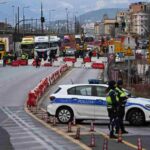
{"type": "Point", "coordinates": [129, 52]}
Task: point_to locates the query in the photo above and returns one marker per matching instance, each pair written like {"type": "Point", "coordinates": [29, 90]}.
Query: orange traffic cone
{"type": "Point", "coordinates": [74, 121]}
{"type": "Point", "coordinates": [54, 121]}
{"type": "Point", "coordinates": [69, 127]}
{"type": "Point", "coordinates": [105, 145]}
{"type": "Point", "coordinates": [92, 127]}
{"type": "Point", "coordinates": [92, 140]}
{"type": "Point", "coordinates": [139, 144]}
{"type": "Point", "coordinates": [78, 133]}
{"type": "Point", "coordinates": [120, 136]}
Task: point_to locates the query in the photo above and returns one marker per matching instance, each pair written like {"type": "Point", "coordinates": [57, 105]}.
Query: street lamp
{"type": "Point", "coordinates": [50, 18]}
{"type": "Point", "coordinates": [24, 16]}
{"type": "Point", "coordinates": [67, 20]}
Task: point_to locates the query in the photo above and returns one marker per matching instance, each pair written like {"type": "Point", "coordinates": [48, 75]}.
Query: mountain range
{"type": "Point", "coordinates": [97, 15]}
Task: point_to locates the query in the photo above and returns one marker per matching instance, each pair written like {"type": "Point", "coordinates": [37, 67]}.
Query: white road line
{"type": "Point", "coordinates": [28, 129]}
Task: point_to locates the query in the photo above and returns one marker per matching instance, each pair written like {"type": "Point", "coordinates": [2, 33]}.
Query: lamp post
{"type": "Point", "coordinates": [24, 16]}
{"type": "Point", "coordinates": [67, 20]}
{"type": "Point", "coordinates": [50, 18]}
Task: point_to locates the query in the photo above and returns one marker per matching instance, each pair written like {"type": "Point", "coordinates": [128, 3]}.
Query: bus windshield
{"type": "Point", "coordinates": [2, 47]}
{"type": "Point", "coordinates": [53, 44]}
{"type": "Point", "coordinates": [41, 45]}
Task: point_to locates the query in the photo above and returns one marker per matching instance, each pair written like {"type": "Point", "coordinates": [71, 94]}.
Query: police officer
{"type": "Point", "coordinates": [121, 109]}
{"type": "Point", "coordinates": [112, 106]}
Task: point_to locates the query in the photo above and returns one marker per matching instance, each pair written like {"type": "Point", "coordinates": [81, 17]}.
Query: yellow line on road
{"type": "Point", "coordinates": [83, 146]}
{"type": "Point", "coordinates": [123, 141]}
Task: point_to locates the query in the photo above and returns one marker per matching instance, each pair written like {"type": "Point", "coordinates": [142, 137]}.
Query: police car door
{"type": "Point", "coordinates": [84, 106]}
{"type": "Point", "coordinates": [100, 102]}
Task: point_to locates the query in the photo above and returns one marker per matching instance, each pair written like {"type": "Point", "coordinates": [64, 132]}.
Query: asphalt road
{"type": "Point", "coordinates": [82, 76]}
{"type": "Point", "coordinates": [19, 130]}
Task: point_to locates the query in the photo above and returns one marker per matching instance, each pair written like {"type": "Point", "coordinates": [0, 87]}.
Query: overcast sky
{"type": "Point", "coordinates": [76, 7]}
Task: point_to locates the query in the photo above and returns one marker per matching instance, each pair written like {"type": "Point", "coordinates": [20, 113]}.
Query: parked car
{"type": "Point", "coordinates": [88, 101]}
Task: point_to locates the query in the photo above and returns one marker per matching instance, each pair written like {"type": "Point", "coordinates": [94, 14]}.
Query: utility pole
{"type": "Point", "coordinates": [42, 19]}
{"type": "Point", "coordinates": [18, 19]}
{"type": "Point", "coordinates": [67, 21]}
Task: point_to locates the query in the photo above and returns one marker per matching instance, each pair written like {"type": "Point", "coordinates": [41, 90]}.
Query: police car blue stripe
{"type": "Point", "coordinates": [80, 101]}
{"type": "Point", "coordinates": [99, 102]}
{"type": "Point", "coordinates": [130, 104]}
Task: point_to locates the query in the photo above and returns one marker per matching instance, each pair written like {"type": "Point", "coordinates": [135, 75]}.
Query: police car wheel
{"type": "Point", "coordinates": [136, 117]}
{"type": "Point", "coordinates": [64, 115]}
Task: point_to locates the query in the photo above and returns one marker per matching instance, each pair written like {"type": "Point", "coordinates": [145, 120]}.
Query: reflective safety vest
{"type": "Point", "coordinates": [122, 96]}
{"type": "Point", "coordinates": [109, 100]}
{"type": "Point", "coordinates": [121, 92]}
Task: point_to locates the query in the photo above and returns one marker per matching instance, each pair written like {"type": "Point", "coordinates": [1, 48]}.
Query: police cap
{"type": "Point", "coordinates": [111, 83]}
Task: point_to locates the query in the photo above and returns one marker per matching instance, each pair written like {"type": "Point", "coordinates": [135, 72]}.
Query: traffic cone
{"type": "Point", "coordinates": [105, 145]}
{"type": "Point", "coordinates": [74, 121]}
{"type": "Point", "coordinates": [69, 127]}
{"type": "Point", "coordinates": [92, 127]}
{"type": "Point", "coordinates": [54, 121]}
{"type": "Point", "coordinates": [119, 136]}
{"type": "Point", "coordinates": [78, 133]}
{"type": "Point", "coordinates": [92, 140]}
{"type": "Point", "coordinates": [139, 144]}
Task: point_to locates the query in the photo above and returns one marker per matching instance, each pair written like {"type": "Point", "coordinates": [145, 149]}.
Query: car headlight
{"type": "Point", "coordinates": [147, 106]}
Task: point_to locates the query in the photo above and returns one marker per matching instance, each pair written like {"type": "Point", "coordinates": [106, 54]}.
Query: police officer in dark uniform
{"type": "Point", "coordinates": [112, 107]}
{"type": "Point", "coordinates": [121, 109]}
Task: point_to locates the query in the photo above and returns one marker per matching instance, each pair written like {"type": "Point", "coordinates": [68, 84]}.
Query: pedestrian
{"type": "Point", "coordinates": [90, 54]}
{"type": "Point", "coordinates": [4, 61]}
{"type": "Point", "coordinates": [37, 61]}
{"type": "Point", "coordinates": [112, 106]}
{"type": "Point", "coordinates": [121, 109]}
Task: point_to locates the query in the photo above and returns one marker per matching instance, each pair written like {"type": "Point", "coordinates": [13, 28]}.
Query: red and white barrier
{"type": "Point", "coordinates": [36, 93]}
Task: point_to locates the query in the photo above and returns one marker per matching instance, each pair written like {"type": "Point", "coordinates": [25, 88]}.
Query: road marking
{"type": "Point", "coordinates": [106, 136]}
{"type": "Point", "coordinates": [59, 131]}
{"type": "Point", "coordinates": [36, 135]}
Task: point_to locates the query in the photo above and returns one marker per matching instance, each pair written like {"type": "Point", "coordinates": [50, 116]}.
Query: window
{"type": "Point", "coordinates": [72, 91]}
{"type": "Point", "coordinates": [81, 90]}
{"type": "Point", "coordinates": [101, 91]}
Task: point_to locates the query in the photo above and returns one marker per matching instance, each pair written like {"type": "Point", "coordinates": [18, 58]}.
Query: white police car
{"type": "Point", "coordinates": [88, 101]}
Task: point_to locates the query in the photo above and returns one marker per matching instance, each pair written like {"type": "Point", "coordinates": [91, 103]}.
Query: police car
{"type": "Point", "coordinates": [88, 101]}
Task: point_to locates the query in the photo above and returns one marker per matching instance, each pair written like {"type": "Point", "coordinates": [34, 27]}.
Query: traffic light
{"type": "Point", "coordinates": [42, 19]}
{"type": "Point", "coordinates": [116, 24]}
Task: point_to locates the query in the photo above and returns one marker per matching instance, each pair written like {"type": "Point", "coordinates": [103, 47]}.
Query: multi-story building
{"type": "Point", "coordinates": [139, 14]}
{"type": "Point", "coordinates": [123, 17]}
{"type": "Point", "coordinates": [140, 23]}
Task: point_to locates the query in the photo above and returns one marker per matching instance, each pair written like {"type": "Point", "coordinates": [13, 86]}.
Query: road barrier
{"type": "Point", "coordinates": [35, 94]}
{"type": "Point", "coordinates": [15, 63]}
{"type": "Point", "coordinates": [98, 65]}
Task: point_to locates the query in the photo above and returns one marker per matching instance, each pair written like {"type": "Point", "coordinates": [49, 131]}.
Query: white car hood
{"type": "Point", "coordinates": [138, 100]}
